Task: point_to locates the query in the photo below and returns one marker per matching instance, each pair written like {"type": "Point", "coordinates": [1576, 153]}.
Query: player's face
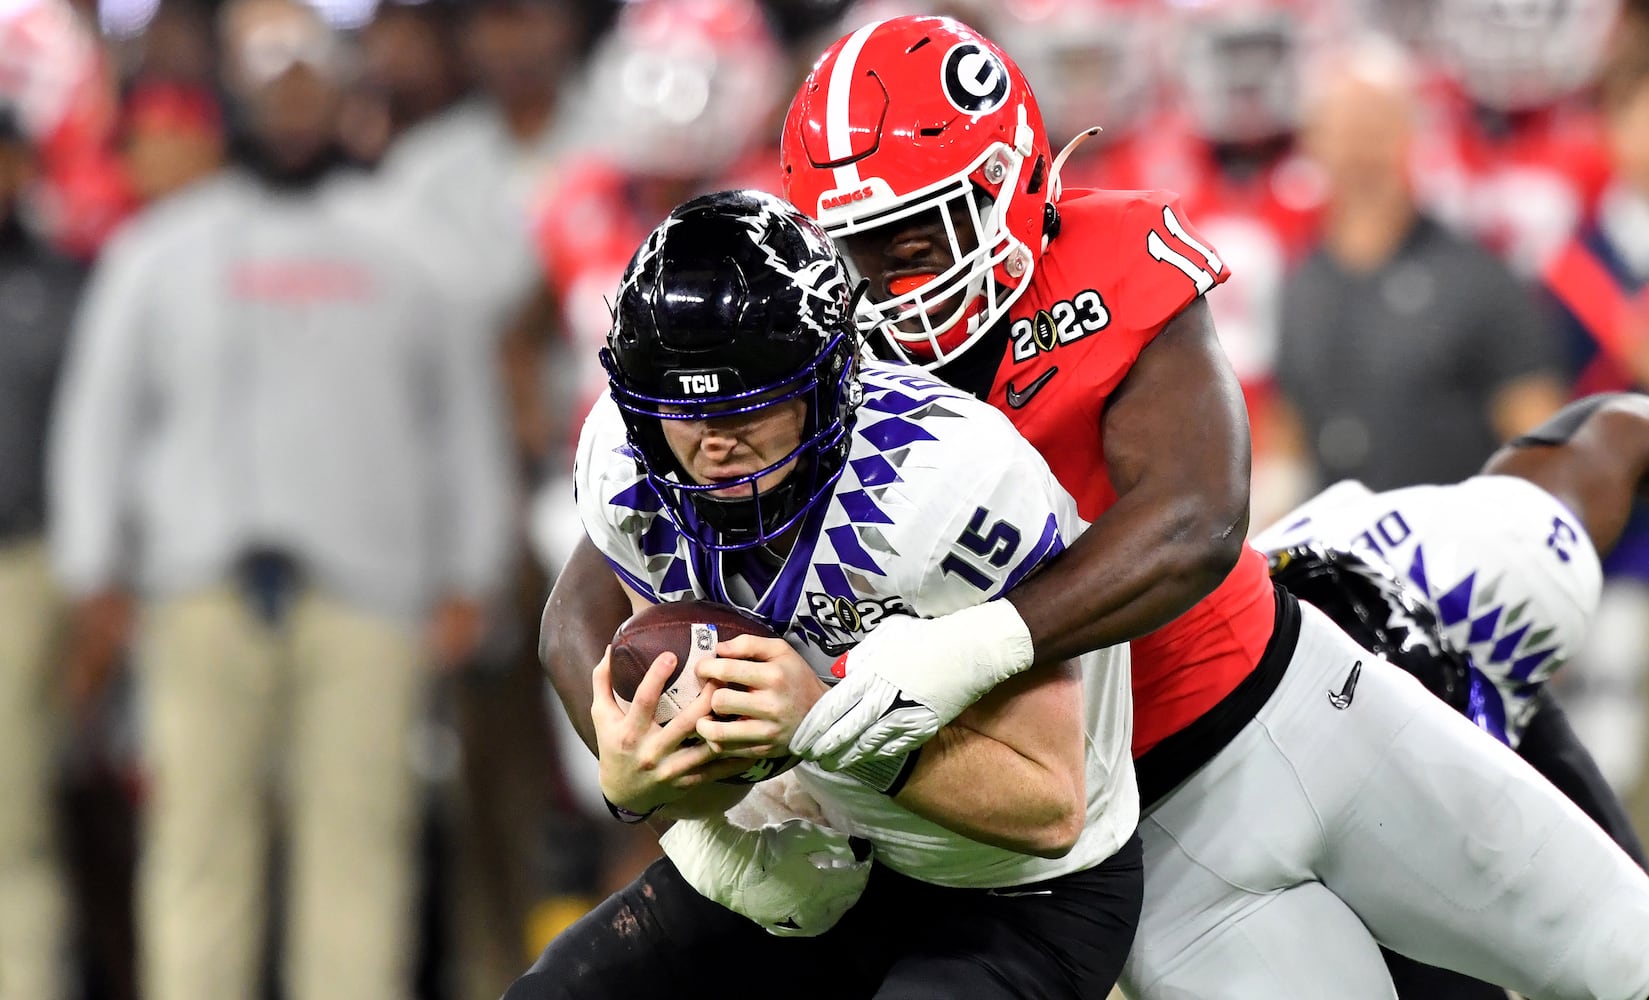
{"type": "Point", "coordinates": [902, 256]}
{"type": "Point", "coordinates": [719, 449]}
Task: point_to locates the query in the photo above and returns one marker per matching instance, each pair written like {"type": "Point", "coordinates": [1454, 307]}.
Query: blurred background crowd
{"type": "Point", "coordinates": [299, 305]}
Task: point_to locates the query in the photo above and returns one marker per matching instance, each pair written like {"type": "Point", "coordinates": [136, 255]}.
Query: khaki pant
{"type": "Point", "coordinates": [32, 901]}
{"type": "Point", "coordinates": [333, 697]}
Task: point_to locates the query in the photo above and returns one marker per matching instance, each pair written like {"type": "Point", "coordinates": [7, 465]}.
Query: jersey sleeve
{"type": "Point", "coordinates": [1005, 523]}
{"type": "Point", "coordinates": [1147, 263]}
{"type": "Point", "coordinates": [1166, 263]}
{"type": "Point", "coordinates": [615, 502]}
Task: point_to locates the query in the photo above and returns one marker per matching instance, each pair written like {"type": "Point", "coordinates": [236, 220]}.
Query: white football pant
{"type": "Point", "coordinates": [1271, 873]}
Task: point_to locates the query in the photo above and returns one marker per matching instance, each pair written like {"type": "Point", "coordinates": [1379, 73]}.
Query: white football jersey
{"type": "Point", "coordinates": [942, 505]}
{"type": "Point", "coordinates": [1508, 569]}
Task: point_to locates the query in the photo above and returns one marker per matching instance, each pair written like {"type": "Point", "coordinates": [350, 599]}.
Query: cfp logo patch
{"type": "Point", "coordinates": [840, 622]}
{"type": "Point", "coordinates": [1061, 323]}
{"type": "Point", "coordinates": [974, 79]}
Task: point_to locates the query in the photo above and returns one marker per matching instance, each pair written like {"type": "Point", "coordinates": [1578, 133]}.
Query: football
{"type": "Point", "coordinates": [689, 629]}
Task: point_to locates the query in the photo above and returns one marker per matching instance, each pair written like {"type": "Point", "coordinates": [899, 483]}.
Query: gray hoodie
{"type": "Point", "coordinates": [254, 368]}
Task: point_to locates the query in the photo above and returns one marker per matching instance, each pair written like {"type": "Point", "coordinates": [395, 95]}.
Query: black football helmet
{"type": "Point", "coordinates": [1380, 612]}
{"type": "Point", "coordinates": [736, 302]}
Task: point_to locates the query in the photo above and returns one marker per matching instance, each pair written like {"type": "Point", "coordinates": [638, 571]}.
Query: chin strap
{"type": "Point", "coordinates": [1054, 187]}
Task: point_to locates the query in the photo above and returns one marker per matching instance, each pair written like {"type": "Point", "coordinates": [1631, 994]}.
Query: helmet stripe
{"type": "Point", "coordinates": [838, 135]}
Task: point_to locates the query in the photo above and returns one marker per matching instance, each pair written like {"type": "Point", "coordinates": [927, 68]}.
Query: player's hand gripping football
{"type": "Point", "coordinates": [645, 765]}
{"type": "Point", "coordinates": [763, 690]}
{"type": "Point", "coordinates": [909, 678]}
{"type": "Point", "coordinates": [795, 878]}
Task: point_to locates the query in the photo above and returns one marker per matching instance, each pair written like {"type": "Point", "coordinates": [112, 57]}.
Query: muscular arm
{"type": "Point", "coordinates": [1009, 771]}
{"type": "Point", "coordinates": [1593, 456]}
{"type": "Point", "coordinates": [586, 606]}
{"type": "Point", "coordinates": [1177, 450]}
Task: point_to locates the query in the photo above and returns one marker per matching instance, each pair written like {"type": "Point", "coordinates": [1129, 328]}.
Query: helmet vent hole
{"type": "Point", "coordinates": [923, 41]}
{"type": "Point", "coordinates": [932, 130]}
{"type": "Point", "coordinates": [1039, 173]}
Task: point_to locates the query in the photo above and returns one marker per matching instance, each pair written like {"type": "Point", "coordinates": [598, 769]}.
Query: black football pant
{"type": "Point", "coordinates": [1550, 745]}
{"type": "Point", "coordinates": [1063, 939]}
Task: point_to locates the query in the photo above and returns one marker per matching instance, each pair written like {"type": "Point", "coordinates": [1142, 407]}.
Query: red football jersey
{"type": "Point", "coordinates": [1123, 265]}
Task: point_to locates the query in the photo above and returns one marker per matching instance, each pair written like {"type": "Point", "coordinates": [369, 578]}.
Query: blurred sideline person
{"type": "Point", "coordinates": [38, 291]}
{"type": "Point", "coordinates": [1405, 350]}
{"type": "Point", "coordinates": [467, 181]}
{"type": "Point", "coordinates": [747, 454]}
{"type": "Point", "coordinates": [471, 174]}
{"type": "Point", "coordinates": [1445, 580]}
{"type": "Point", "coordinates": [1510, 150]}
{"type": "Point", "coordinates": [279, 463]}
{"type": "Point", "coordinates": [409, 74]}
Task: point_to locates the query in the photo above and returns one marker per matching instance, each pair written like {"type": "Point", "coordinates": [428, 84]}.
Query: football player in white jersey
{"type": "Point", "coordinates": [747, 454]}
{"type": "Point", "coordinates": [1482, 589]}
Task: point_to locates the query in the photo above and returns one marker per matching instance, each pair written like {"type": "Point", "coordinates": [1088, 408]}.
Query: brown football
{"type": "Point", "coordinates": [689, 629]}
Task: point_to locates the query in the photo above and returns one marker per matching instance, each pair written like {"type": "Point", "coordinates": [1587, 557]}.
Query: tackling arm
{"type": "Point", "coordinates": [1178, 453]}
{"type": "Point", "coordinates": [1593, 456]}
{"type": "Point", "coordinates": [585, 608]}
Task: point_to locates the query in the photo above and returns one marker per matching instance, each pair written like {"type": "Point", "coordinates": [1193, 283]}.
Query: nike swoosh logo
{"type": "Point", "coordinates": [1342, 701]}
{"type": "Point", "coordinates": [1019, 397]}
{"type": "Point", "coordinates": [1015, 895]}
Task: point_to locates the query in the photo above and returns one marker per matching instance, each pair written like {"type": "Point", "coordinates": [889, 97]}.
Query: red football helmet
{"type": "Point", "coordinates": [682, 88]}
{"type": "Point", "coordinates": [1239, 65]}
{"type": "Point", "coordinates": [916, 114]}
{"type": "Point", "coordinates": [1514, 55]}
{"type": "Point", "coordinates": [1093, 61]}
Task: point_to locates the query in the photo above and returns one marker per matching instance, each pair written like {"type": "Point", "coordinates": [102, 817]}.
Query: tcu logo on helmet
{"type": "Point", "coordinates": [700, 385]}
{"type": "Point", "coordinates": [974, 79]}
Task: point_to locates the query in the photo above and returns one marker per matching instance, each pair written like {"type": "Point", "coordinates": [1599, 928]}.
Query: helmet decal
{"type": "Point", "coordinates": [974, 80]}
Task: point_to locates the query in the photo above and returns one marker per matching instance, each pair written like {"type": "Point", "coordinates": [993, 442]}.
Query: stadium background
{"type": "Point", "coordinates": [529, 144]}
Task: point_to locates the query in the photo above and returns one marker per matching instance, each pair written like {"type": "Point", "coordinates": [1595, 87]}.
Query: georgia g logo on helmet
{"type": "Point", "coordinates": [974, 79]}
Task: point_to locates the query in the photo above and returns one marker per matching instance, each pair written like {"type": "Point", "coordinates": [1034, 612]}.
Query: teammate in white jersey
{"type": "Point", "coordinates": [1483, 589]}
{"type": "Point", "coordinates": [748, 455]}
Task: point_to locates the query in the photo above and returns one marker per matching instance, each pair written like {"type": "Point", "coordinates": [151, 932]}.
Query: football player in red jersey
{"type": "Point", "coordinates": [1080, 314]}
{"type": "Point", "coordinates": [1302, 793]}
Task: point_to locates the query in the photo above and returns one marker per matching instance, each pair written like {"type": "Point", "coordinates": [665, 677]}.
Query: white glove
{"type": "Point", "coordinates": [795, 878]}
{"type": "Point", "coordinates": [909, 678]}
